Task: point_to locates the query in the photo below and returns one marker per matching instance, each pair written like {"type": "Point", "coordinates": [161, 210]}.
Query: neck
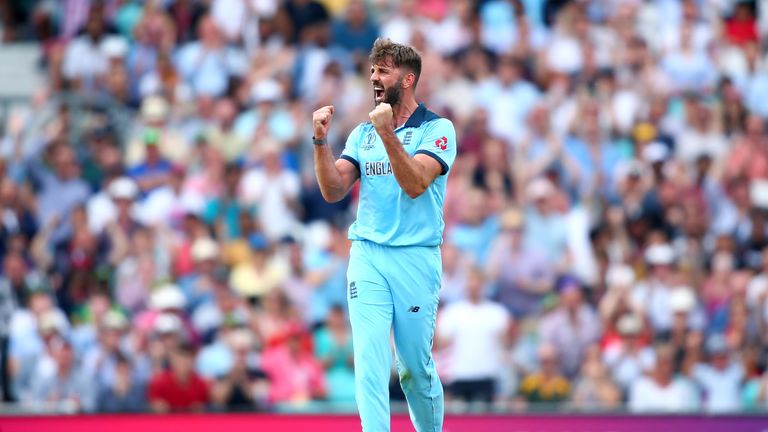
{"type": "Point", "coordinates": [403, 110]}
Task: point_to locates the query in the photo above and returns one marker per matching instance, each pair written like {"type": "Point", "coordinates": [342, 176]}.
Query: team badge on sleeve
{"type": "Point", "coordinates": [441, 143]}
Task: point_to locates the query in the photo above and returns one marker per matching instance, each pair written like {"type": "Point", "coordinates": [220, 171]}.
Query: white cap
{"type": "Point", "coordinates": [539, 188]}
{"type": "Point", "coordinates": [168, 296]}
{"type": "Point", "coordinates": [204, 249]}
{"type": "Point", "coordinates": [52, 320]}
{"type": "Point", "coordinates": [114, 47]}
{"type": "Point", "coordinates": [114, 320]}
{"type": "Point", "coordinates": [660, 254]}
{"type": "Point", "coordinates": [620, 275]}
{"type": "Point", "coordinates": [268, 90]}
{"type": "Point", "coordinates": [154, 109]}
{"type": "Point", "coordinates": [655, 152]}
{"type": "Point", "coordinates": [317, 236]}
{"type": "Point", "coordinates": [167, 323]}
{"type": "Point", "coordinates": [758, 193]}
{"type": "Point", "coordinates": [629, 324]}
{"type": "Point", "coordinates": [123, 188]}
{"type": "Point", "coordinates": [682, 299]}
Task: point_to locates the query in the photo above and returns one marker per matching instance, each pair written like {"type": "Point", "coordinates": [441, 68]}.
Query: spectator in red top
{"type": "Point", "coordinates": [180, 388]}
{"type": "Point", "coordinates": [742, 27]}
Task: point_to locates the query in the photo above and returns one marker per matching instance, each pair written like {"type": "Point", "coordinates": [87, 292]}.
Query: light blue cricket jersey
{"type": "Point", "coordinates": [386, 215]}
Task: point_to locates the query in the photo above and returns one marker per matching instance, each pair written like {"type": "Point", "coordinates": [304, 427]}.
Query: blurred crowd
{"type": "Point", "coordinates": [606, 242]}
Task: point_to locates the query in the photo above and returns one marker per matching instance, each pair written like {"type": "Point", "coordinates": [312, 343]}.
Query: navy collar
{"type": "Point", "coordinates": [418, 117]}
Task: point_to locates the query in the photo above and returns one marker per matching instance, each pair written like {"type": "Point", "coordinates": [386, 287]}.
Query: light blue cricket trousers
{"type": "Point", "coordinates": [395, 288]}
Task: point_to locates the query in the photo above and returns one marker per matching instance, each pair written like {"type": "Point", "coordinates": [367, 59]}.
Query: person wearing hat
{"type": "Point", "coordinates": [171, 200]}
{"type": "Point", "coordinates": [268, 112]}
{"type": "Point", "coordinates": [572, 327]}
{"type": "Point", "coordinates": [151, 172]}
{"type": "Point", "coordinates": [651, 296]}
{"type": "Point", "coordinates": [261, 274]}
{"type": "Point", "coordinates": [154, 115]}
{"type": "Point", "coordinates": [100, 361]}
{"type": "Point", "coordinates": [721, 377]}
{"type": "Point", "coordinates": [631, 357]}
{"type": "Point", "coordinates": [546, 229]}
{"type": "Point", "coordinates": [521, 274]}
{"type": "Point", "coordinates": [198, 286]}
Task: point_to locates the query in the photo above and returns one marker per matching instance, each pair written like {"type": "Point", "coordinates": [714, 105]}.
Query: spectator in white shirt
{"type": "Point", "coordinates": [629, 359]}
{"type": "Point", "coordinates": [662, 390]}
{"type": "Point", "coordinates": [275, 191]}
{"type": "Point", "coordinates": [475, 330]}
{"type": "Point", "coordinates": [720, 378]}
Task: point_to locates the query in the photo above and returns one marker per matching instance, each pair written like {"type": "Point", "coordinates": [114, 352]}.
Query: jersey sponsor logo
{"type": "Point", "coordinates": [352, 290]}
{"type": "Point", "coordinates": [441, 143]}
{"type": "Point", "coordinates": [370, 139]}
{"type": "Point", "coordinates": [407, 138]}
{"type": "Point", "coordinates": [378, 169]}
{"type": "Point", "coordinates": [414, 309]}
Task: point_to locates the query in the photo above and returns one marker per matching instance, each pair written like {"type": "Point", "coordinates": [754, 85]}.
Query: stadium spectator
{"type": "Point", "coordinates": [546, 387]}
{"type": "Point", "coordinates": [720, 378]}
{"type": "Point", "coordinates": [296, 377]}
{"type": "Point", "coordinates": [179, 388]}
{"type": "Point", "coordinates": [522, 275]}
{"type": "Point", "coordinates": [572, 327]}
{"type": "Point", "coordinates": [476, 351]}
{"type": "Point", "coordinates": [333, 347]}
{"type": "Point", "coordinates": [123, 393]}
{"type": "Point", "coordinates": [663, 390]}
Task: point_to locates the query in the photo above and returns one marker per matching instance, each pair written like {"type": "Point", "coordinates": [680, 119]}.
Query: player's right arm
{"type": "Point", "coordinates": [335, 177]}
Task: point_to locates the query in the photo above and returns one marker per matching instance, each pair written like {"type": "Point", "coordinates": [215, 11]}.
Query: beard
{"type": "Point", "coordinates": [392, 95]}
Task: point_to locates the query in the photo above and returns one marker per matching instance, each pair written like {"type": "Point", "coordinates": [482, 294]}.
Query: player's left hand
{"type": "Point", "coordinates": [381, 117]}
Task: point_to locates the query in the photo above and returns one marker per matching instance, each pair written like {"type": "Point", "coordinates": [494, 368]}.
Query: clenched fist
{"type": "Point", "coordinates": [321, 121]}
{"type": "Point", "coordinates": [381, 116]}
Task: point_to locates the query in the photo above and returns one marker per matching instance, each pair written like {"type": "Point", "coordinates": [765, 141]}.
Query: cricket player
{"type": "Point", "coordinates": [401, 157]}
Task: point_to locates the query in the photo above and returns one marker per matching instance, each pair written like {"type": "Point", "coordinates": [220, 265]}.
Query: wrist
{"type": "Point", "coordinates": [318, 141]}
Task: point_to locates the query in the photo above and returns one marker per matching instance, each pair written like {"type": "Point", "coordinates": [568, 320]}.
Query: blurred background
{"type": "Point", "coordinates": [165, 247]}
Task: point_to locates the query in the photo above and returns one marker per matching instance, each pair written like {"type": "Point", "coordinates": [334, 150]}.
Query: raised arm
{"type": "Point", "coordinates": [335, 177]}
{"type": "Point", "coordinates": [413, 174]}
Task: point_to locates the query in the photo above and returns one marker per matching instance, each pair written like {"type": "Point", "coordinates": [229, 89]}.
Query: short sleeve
{"type": "Point", "coordinates": [439, 142]}
{"type": "Point", "coordinates": [350, 148]}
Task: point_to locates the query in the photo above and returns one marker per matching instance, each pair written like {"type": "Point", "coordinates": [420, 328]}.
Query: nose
{"type": "Point", "coordinates": [374, 76]}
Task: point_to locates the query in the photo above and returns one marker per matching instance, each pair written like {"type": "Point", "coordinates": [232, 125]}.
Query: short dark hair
{"type": "Point", "coordinates": [404, 56]}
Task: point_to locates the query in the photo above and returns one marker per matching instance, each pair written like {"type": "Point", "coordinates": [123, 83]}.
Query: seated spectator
{"type": "Point", "coordinates": [123, 393]}
{"type": "Point", "coordinates": [571, 327]}
{"type": "Point", "coordinates": [243, 387]}
{"type": "Point", "coordinates": [595, 389]}
{"type": "Point", "coordinates": [262, 273]}
{"type": "Point", "coordinates": [546, 387]}
{"type": "Point", "coordinates": [720, 378]}
{"type": "Point", "coordinates": [663, 390]}
{"type": "Point", "coordinates": [153, 171]}
{"type": "Point", "coordinates": [475, 362]}
{"type": "Point", "coordinates": [59, 380]}
{"type": "Point", "coordinates": [522, 275]}
{"type": "Point", "coordinates": [474, 234]}
{"type": "Point", "coordinates": [629, 359]}
{"type": "Point", "coordinates": [333, 348]}
{"type": "Point", "coordinates": [295, 376]}
{"type": "Point", "coordinates": [179, 388]}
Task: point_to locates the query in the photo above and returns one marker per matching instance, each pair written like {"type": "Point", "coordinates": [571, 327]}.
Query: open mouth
{"type": "Point", "coordinates": [378, 93]}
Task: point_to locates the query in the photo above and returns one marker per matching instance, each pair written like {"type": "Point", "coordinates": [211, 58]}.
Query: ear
{"type": "Point", "coordinates": [409, 79]}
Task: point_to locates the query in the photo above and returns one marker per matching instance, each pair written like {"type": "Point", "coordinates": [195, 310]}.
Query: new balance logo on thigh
{"type": "Point", "coordinates": [352, 290]}
{"type": "Point", "coordinates": [413, 309]}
